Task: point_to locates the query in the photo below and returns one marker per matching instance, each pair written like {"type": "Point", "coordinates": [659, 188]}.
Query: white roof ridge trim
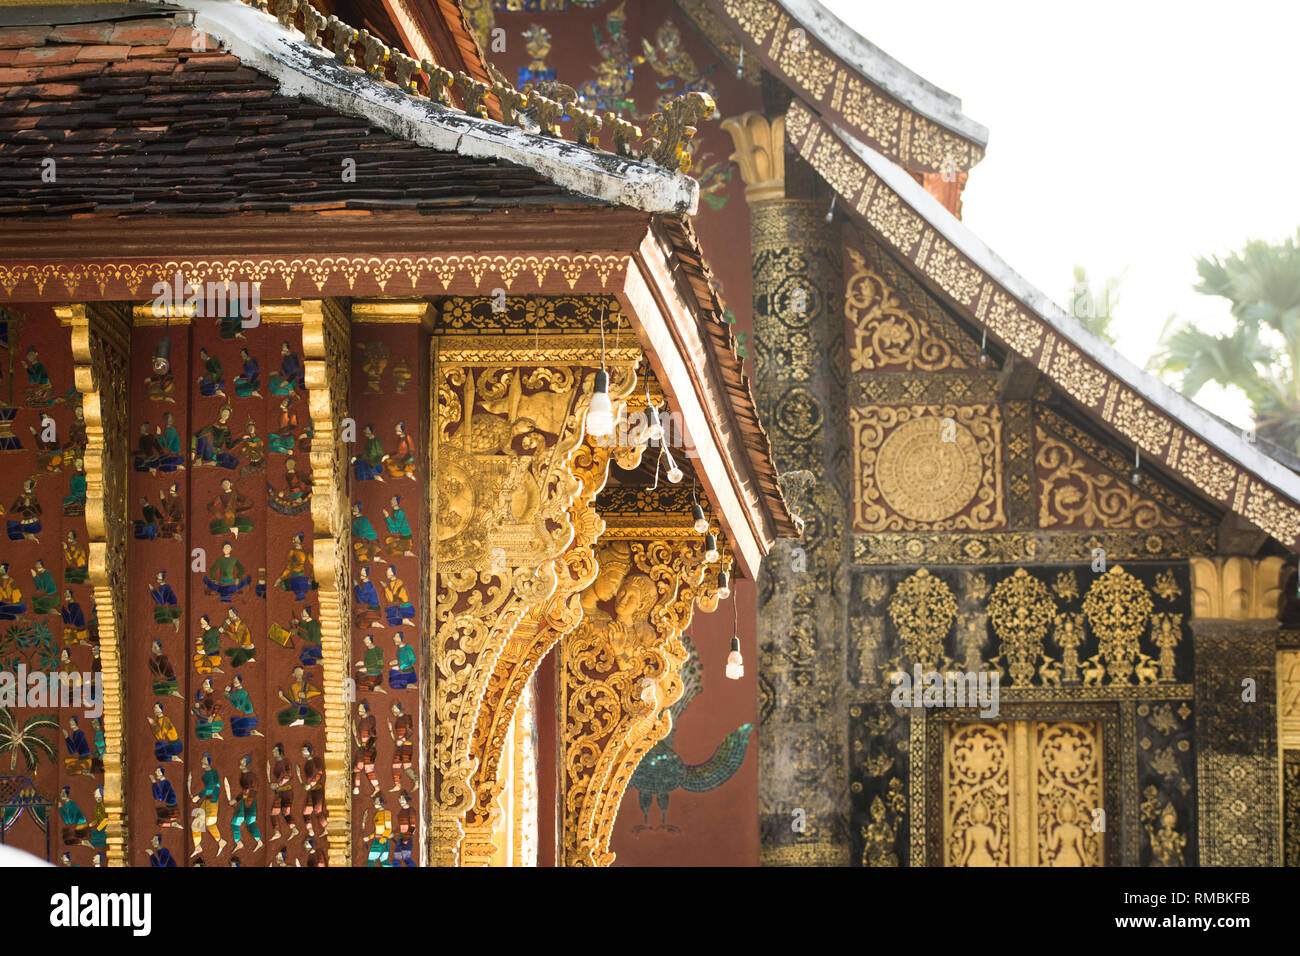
{"type": "Point", "coordinates": [260, 42]}
{"type": "Point", "coordinates": [1183, 409]}
{"type": "Point", "coordinates": [882, 69]}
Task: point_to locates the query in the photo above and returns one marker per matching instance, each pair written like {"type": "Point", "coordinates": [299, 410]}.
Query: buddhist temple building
{"type": "Point", "coordinates": [576, 433]}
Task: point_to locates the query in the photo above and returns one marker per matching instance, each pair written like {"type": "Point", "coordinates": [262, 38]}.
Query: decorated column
{"type": "Point", "coordinates": [802, 588]}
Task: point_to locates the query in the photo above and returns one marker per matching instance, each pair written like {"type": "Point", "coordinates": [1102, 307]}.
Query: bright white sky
{"type": "Point", "coordinates": [1135, 134]}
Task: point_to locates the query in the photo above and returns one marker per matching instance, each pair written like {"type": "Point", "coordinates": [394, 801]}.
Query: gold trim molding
{"type": "Point", "coordinates": [100, 354]}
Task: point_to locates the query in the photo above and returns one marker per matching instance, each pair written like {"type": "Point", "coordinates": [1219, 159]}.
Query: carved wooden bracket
{"type": "Point", "coordinates": [620, 672]}
{"type": "Point", "coordinates": [512, 530]}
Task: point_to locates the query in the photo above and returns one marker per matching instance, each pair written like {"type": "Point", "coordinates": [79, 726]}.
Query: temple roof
{"type": "Point", "coordinates": [854, 84]}
{"type": "Point", "coordinates": [1168, 428]}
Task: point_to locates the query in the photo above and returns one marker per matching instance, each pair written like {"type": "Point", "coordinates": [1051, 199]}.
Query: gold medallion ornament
{"type": "Point", "coordinates": [928, 469]}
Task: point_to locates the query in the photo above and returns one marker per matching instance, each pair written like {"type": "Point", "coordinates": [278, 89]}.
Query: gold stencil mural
{"type": "Point", "coordinates": [885, 336]}
{"type": "Point", "coordinates": [1022, 793]}
{"type": "Point", "coordinates": [1075, 493]}
{"type": "Point", "coordinates": [927, 467]}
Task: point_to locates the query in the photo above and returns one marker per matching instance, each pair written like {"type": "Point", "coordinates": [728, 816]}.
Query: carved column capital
{"type": "Point", "coordinates": [760, 154]}
{"type": "Point", "coordinates": [1236, 588]}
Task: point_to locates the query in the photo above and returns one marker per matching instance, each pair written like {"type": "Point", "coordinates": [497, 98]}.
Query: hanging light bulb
{"type": "Point", "coordinates": [984, 351]}
{"type": "Point", "coordinates": [654, 431]}
{"type": "Point", "coordinates": [735, 663]}
{"type": "Point", "coordinates": [701, 522]}
{"type": "Point", "coordinates": [162, 356]}
{"type": "Point", "coordinates": [830, 213]}
{"type": "Point", "coordinates": [740, 65]}
{"type": "Point", "coordinates": [674, 473]}
{"type": "Point", "coordinates": [600, 417]}
{"type": "Point", "coordinates": [1136, 477]}
{"type": "Point", "coordinates": [724, 585]}
{"type": "Point", "coordinates": [710, 548]}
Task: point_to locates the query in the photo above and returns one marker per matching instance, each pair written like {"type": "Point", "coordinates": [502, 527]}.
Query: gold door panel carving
{"type": "Point", "coordinates": [1022, 793]}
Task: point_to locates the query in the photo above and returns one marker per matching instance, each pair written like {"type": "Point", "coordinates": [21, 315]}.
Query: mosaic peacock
{"type": "Point", "coordinates": [662, 771]}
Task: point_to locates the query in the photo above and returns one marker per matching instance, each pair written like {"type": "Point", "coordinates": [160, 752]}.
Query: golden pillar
{"type": "Point", "coordinates": [101, 336]}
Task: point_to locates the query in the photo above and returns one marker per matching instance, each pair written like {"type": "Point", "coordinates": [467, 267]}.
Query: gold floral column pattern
{"type": "Point", "coordinates": [621, 672]}
{"type": "Point", "coordinates": [544, 624]}
{"type": "Point", "coordinates": [101, 350]}
{"type": "Point", "coordinates": [509, 417]}
{"type": "Point", "coordinates": [1234, 624]}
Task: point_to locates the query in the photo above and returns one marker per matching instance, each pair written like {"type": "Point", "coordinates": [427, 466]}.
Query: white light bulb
{"type": "Point", "coordinates": [724, 586]}
{"type": "Point", "coordinates": [654, 431]}
{"type": "Point", "coordinates": [600, 416]}
{"type": "Point", "coordinates": [735, 663]}
{"type": "Point", "coordinates": [701, 522]}
{"type": "Point", "coordinates": [710, 548]}
{"type": "Point", "coordinates": [674, 473]}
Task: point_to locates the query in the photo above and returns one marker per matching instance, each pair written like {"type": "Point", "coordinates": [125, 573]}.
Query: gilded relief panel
{"type": "Point", "coordinates": [1027, 789]}
{"type": "Point", "coordinates": [927, 467]}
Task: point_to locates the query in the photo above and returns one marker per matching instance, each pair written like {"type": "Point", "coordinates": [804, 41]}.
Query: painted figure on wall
{"type": "Point", "coordinates": [284, 439]}
{"type": "Point", "coordinates": [402, 729]}
{"type": "Point", "coordinates": [207, 648]}
{"type": "Point", "coordinates": [379, 851]}
{"type": "Point", "coordinates": [74, 621]}
{"type": "Point", "coordinates": [76, 563]}
{"type": "Point", "coordinates": [403, 673]}
{"type": "Point", "coordinates": [290, 376]}
{"type": "Point", "coordinates": [243, 723]}
{"type": "Point", "coordinates": [312, 776]}
{"type": "Point", "coordinates": [366, 598]}
{"type": "Point", "coordinates": [366, 738]}
{"type": "Point", "coordinates": [253, 448]}
{"type": "Point", "coordinates": [207, 721]}
{"type": "Point", "coordinates": [77, 762]}
{"type": "Point", "coordinates": [172, 512]}
{"type": "Point", "coordinates": [368, 466]}
{"type": "Point", "coordinates": [300, 696]}
{"type": "Point", "coordinates": [365, 542]}
{"type": "Point", "coordinates": [400, 462]}
{"type": "Point", "coordinates": [307, 630]}
{"type": "Point", "coordinates": [245, 805]}
{"type": "Point", "coordinates": [295, 497]}
{"type": "Point", "coordinates": [163, 673]}
{"type": "Point", "coordinates": [226, 577]}
{"type": "Point", "coordinates": [229, 510]}
{"type": "Point", "coordinates": [45, 595]}
{"type": "Point", "coordinates": [371, 666]}
{"type": "Point", "coordinates": [404, 838]}
{"type": "Point", "coordinates": [166, 806]}
{"type": "Point", "coordinates": [205, 817]}
{"type": "Point", "coordinates": [212, 444]}
{"type": "Point", "coordinates": [279, 775]}
{"type": "Point", "coordinates": [166, 608]}
{"type": "Point", "coordinates": [246, 384]}
{"type": "Point", "coordinates": [26, 524]}
{"type": "Point", "coordinates": [212, 381]}
{"type": "Point", "coordinates": [167, 741]}
{"type": "Point", "coordinates": [40, 389]}
{"type": "Point", "coordinates": [11, 598]}
{"type": "Point", "coordinates": [398, 607]}
{"type": "Point", "coordinates": [297, 576]}
{"type": "Point", "coordinates": [76, 828]}
{"type": "Point", "coordinates": [398, 540]}
{"type": "Point", "coordinates": [159, 855]}
{"type": "Point", "coordinates": [74, 503]}
{"type": "Point", "coordinates": [236, 632]}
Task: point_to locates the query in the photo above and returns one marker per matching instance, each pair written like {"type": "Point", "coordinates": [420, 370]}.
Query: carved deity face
{"type": "Point", "coordinates": [615, 562]}
{"type": "Point", "coordinates": [636, 597]}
